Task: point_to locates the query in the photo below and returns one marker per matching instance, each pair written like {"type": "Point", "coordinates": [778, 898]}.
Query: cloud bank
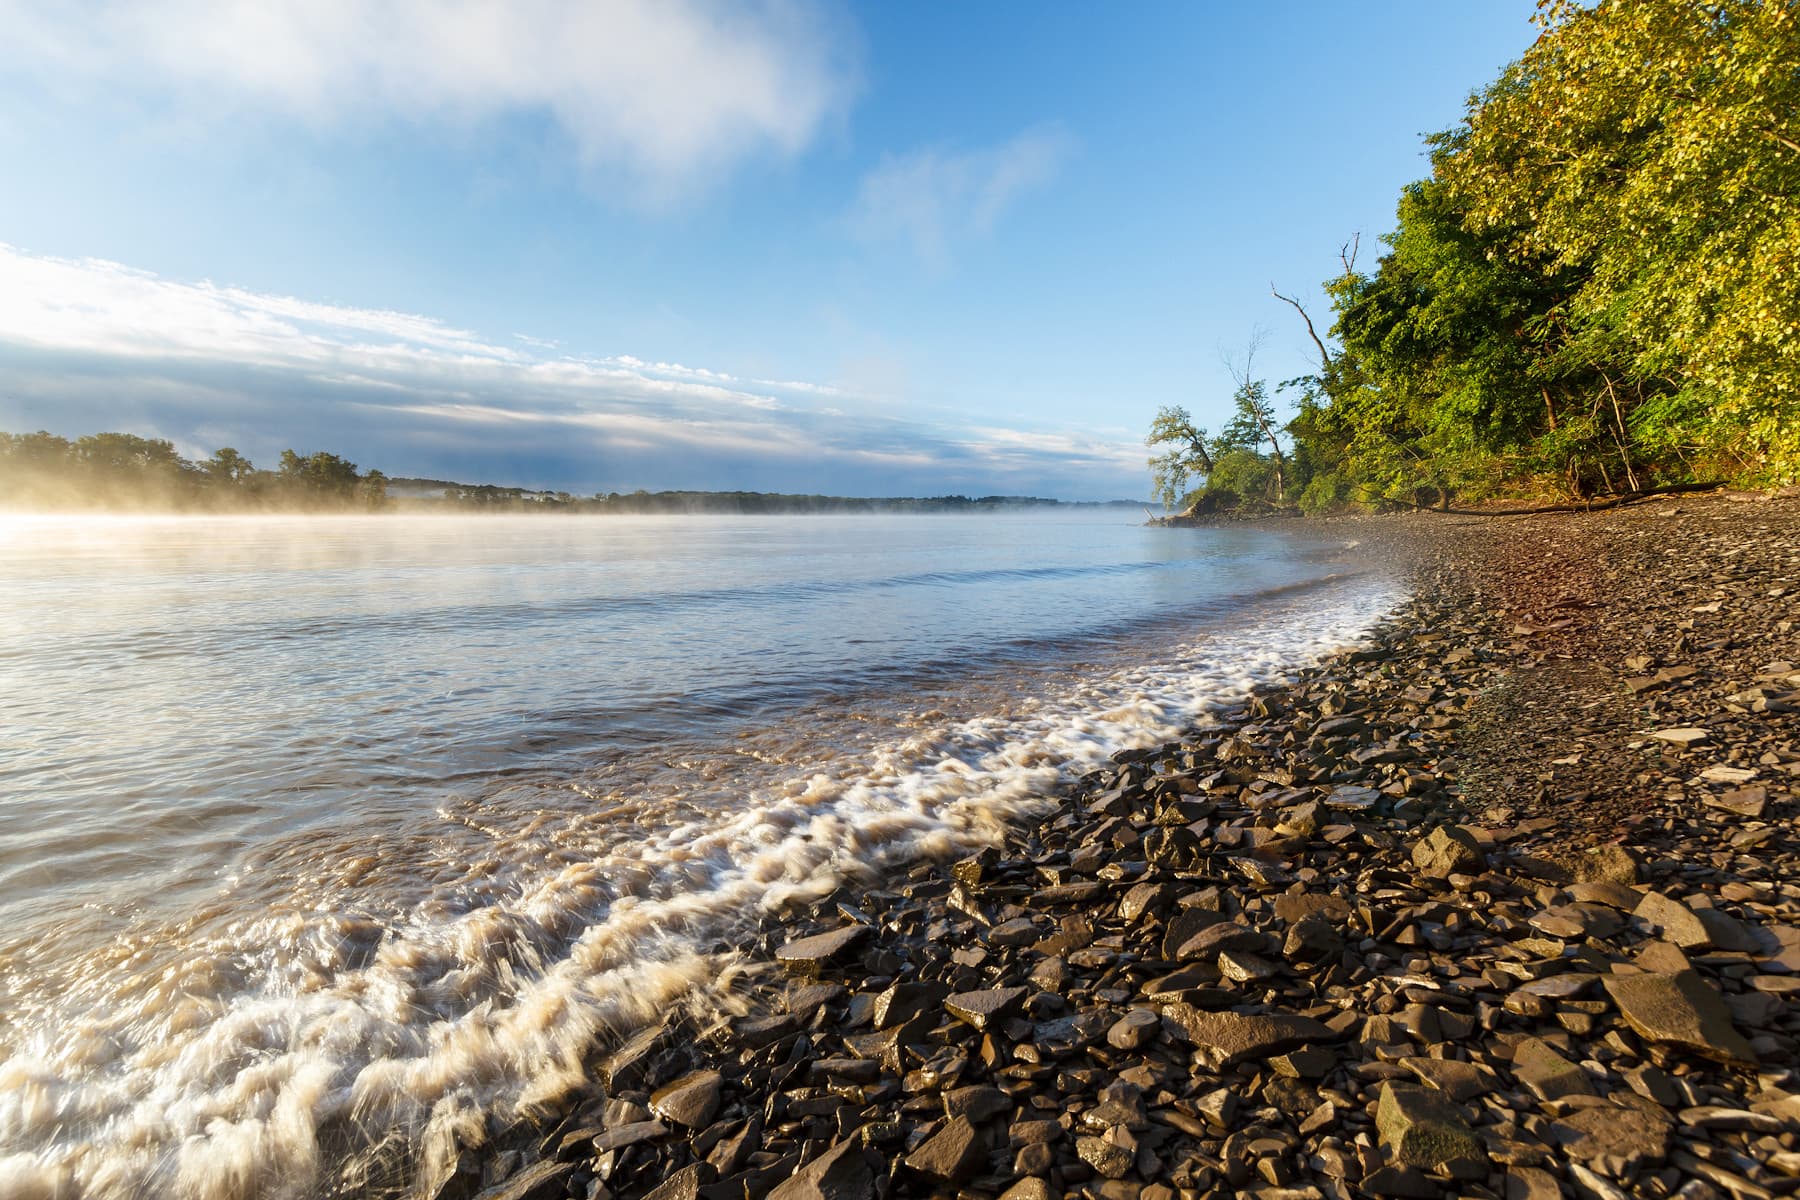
{"type": "Point", "coordinates": [87, 345]}
{"type": "Point", "coordinates": [667, 93]}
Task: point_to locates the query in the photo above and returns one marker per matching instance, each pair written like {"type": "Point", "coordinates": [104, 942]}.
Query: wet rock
{"type": "Point", "coordinates": [540, 1181]}
{"type": "Point", "coordinates": [977, 1103]}
{"type": "Point", "coordinates": [1152, 898]}
{"type": "Point", "coordinates": [625, 1067]}
{"type": "Point", "coordinates": [1420, 1129]}
{"type": "Point", "coordinates": [951, 1154]}
{"type": "Point", "coordinates": [692, 1100]}
{"type": "Point", "coordinates": [983, 1008]}
{"type": "Point", "coordinates": [1105, 1157]}
{"type": "Point", "coordinates": [841, 1173]}
{"type": "Point", "coordinates": [622, 1136]}
{"type": "Point", "coordinates": [1135, 1029]}
{"type": "Point", "coordinates": [807, 956]}
{"type": "Point", "coordinates": [1448, 850]}
{"type": "Point", "coordinates": [1680, 1010]}
{"type": "Point", "coordinates": [904, 1001]}
{"type": "Point", "coordinates": [684, 1184]}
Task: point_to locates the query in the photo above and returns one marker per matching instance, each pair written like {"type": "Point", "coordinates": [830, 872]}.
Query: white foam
{"type": "Point", "coordinates": [215, 1080]}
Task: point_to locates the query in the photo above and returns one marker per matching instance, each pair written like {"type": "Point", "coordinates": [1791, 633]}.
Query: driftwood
{"type": "Point", "coordinates": [1598, 505]}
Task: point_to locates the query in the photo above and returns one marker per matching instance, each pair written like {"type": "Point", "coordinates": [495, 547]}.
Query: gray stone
{"type": "Point", "coordinates": [540, 1181]}
{"type": "Point", "coordinates": [976, 1102]}
{"type": "Point", "coordinates": [1674, 919]}
{"type": "Point", "coordinates": [983, 1008]}
{"type": "Point", "coordinates": [692, 1100]}
{"type": "Point", "coordinates": [1421, 1129]}
{"type": "Point", "coordinates": [1548, 1074]}
{"type": "Point", "coordinates": [1530, 1183]}
{"type": "Point", "coordinates": [1230, 1038]}
{"type": "Point", "coordinates": [1107, 1158]}
{"type": "Point", "coordinates": [1680, 1010]}
{"type": "Point", "coordinates": [1150, 898]}
{"type": "Point", "coordinates": [684, 1184]}
{"type": "Point", "coordinates": [841, 1173]}
{"type": "Point", "coordinates": [1460, 1081]}
{"type": "Point", "coordinates": [1448, 850]}
{"type": "Point", "coordinates": [809, 955]}
{"type": "Point", "coordinates": [1743, 802]}
{"type": "Point", "coordinates": [1615, 1139]}
{"type": "Point", "coordinates": [622, 1136]}
{"type": "Point", "coordinates": [950, 1154]}
{"type": "Point", "coordinates": [1135, 1029]}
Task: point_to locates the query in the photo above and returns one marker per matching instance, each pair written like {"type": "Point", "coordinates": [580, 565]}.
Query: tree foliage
{"type": "Point", "coordinates": [1594, 289]}
{"type": "Point", "coordinates": [125, 471]}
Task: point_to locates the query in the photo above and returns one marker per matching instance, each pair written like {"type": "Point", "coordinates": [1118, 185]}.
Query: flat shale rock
{"type": "Point", "coordinates": [1234, 1037]}
{"type": "Point", "coordinates": [950, 1154]}
{"type": "Point", "coordinates": [1676, 921]}
{"type": "Point", "coordinates": [1548, 1074]}
{"type": "Point", "coordinates": [1614, 1140]}
{"type": "Point", "coordinates": [809, 955]}
{"type": "Point", "coordinates": [1420, 1129]}
{"type": "Point", "coordinates": [1681, 1010]}
{"type": "Point", "coordinates": [1743, 802]}
{"type": "Point", "coordinates": [841, 1173]}
{"type": "Point", "coordinates": [540, 1181]}
{"type": "Point", "coordinates": [691, 1100]}
{"type": "Point", "coordinates": [983, 1008]}
{"type": "Point", "coordinates": [1448, 850]}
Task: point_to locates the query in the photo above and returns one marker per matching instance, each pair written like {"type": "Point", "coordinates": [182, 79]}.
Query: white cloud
{"type": "Point", "coordinates": [666, 92]}
{"type": "Point", "coordinates": [87, 345]}
{"type": "Point", "coordinates": [933, 199]}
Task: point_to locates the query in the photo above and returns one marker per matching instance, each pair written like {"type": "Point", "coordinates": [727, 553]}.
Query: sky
{"type": "Point", "coordinates": [778, 245]}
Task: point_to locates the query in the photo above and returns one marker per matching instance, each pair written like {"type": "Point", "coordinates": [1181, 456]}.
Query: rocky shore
{"type": "Point", "coordinates": [1503, 904]}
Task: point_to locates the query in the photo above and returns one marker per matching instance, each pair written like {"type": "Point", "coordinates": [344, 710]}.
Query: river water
{"type": "Point", "coordinates": [323, 831]}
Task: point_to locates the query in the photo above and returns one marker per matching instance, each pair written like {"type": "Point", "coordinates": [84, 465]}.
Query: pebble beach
{"type": "Point", "coordinates": [1501, 903]}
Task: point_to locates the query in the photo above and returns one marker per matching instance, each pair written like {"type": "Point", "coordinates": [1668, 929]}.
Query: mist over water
{"type": "Point", "coordinates": [313, 827]}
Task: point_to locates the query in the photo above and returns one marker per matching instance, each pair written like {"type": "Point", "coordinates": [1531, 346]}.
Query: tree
{"type": "Point", "coordinates": [1186, 457]}
{"type": "Point", "coordinates": [227, 466]}
{"type": "Point", "coordinates": [1253, 422]}
{"type": "Point", "coordinates": [1651, 148]}
{"type": "Point", "coordinates": [319, 474]}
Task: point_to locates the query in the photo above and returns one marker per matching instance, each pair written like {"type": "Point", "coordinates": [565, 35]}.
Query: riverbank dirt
{"type": "Point", "coordinates": [1504, 904]}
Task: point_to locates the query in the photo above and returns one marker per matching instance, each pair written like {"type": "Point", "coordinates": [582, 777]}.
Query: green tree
{"type": "Point", "coordinates": [1651, 148]}
{"type": "Point", "coordinates": [319, 475]}
{"type": "Point", "coordinates": [1186, 458]}
{"type": "Point", "coordinates": [227, 466]}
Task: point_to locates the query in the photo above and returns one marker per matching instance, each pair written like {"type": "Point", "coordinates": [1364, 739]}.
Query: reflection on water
{"type": "Point", "coordinates": [379, 821]}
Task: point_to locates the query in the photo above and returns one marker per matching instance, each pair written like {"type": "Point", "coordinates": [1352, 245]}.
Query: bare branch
{"type": "Point", "coordinates": [1348, 251]}
{"type": "Point", "coordinates": [1324, 354]}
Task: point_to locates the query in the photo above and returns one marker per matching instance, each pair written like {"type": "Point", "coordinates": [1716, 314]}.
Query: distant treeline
{"type": "Point", "coordinates": [122, 471]}
{"type": "Point", "coordinates": [125, 472]}
{"type": "Point", "coordinates": [719, 503]}
{"type": "Point", "coordinates": [1595, 291]}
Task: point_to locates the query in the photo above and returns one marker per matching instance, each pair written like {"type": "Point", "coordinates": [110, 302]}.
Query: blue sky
{"type": "Point", "coordinates": [864, 249]}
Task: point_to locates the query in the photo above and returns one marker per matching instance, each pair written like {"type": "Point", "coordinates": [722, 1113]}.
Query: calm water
{"type": "Point", "coordinates": [377, 823]}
